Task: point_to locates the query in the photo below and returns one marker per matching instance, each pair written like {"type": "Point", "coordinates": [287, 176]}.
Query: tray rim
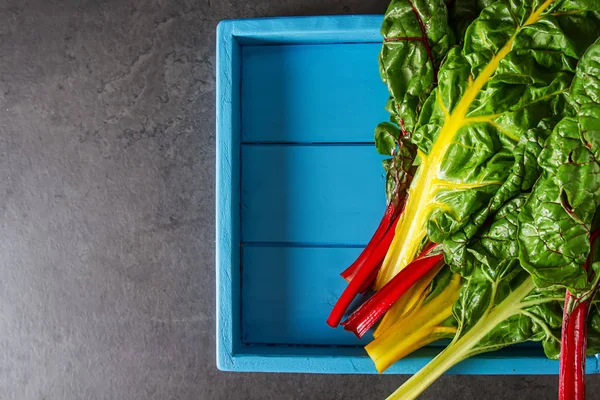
{"type": "Point", "coordinates": [231, 353]}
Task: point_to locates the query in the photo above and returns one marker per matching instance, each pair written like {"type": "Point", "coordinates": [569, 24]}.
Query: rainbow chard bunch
{"type": "Point", "coordinates": [493, 186]}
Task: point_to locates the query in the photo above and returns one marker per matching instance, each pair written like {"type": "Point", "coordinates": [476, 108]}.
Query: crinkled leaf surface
{"type": "Point", "coordinates": [493, 252]}
{"type": "Point", "coordinates": [555, 223]}
{"type": "Point", "coordinates": [499, 304]}
{"type": "Point", "coordinates": [472, 129]}
{"type": "Point", "coordinates": [416, 38]}
{"type": "Point", "coordinates": [523, 175]}
{"type": "Point", "coordinates": [585, 93]}
{"type": "Point", "coordinates": [462, 12]}
{"type": "Point", "coordinates": [511, 75]}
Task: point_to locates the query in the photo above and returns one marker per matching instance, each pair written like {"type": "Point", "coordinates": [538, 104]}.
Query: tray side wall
{"type": "Point", "coordinates": [227, 197]}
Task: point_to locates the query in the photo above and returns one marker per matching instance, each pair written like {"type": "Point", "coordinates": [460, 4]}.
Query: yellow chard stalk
{"type": "Point", "coordinates": [421, 325]}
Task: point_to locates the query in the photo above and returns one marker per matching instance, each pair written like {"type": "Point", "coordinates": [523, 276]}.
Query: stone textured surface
{"type": "Point", "coordinates": [106, 208]}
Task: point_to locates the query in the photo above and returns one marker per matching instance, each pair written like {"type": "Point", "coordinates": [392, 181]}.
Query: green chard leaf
{"type": "Point", "coordinates": [493, 245]}
{"type": "Point", "coordinates": [556, 222]}
{"type": "Point", "coordinates": [480, 124]}
{"type": "Point", "coordinates": [387, 136]}
{"type": "Point", "coordinates": [499, 304]}
{"type": "Point", "coordinates": [416, 37]}
{"type": "Point", "coordinates": [480, 129]}
{"type": "Point", "coordinates": [523, 175]}
{"type": "Point", "coordinates": [462, 12]}
{"type": "Point", "coordinates": [494, 254]}
{"type": "Point", "coordinates": [585, 95]}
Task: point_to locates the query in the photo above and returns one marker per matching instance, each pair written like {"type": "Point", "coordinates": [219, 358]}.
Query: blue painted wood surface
{"type": "Point", "coordinates": [311, 194]}
{"type": "Point", "coordinates": [311, 93]}
{"type": "Point", "coordinates": [299, 189]}
{"type": "Point", "coordinates": [303, 284]}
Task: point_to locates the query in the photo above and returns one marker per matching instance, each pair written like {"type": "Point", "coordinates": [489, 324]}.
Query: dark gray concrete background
{"type": "Point", "coordinates": [106, 208]}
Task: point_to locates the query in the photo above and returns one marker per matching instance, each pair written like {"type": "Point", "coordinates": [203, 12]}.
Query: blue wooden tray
{"type": "Point", "coordinates": [300, 190]}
